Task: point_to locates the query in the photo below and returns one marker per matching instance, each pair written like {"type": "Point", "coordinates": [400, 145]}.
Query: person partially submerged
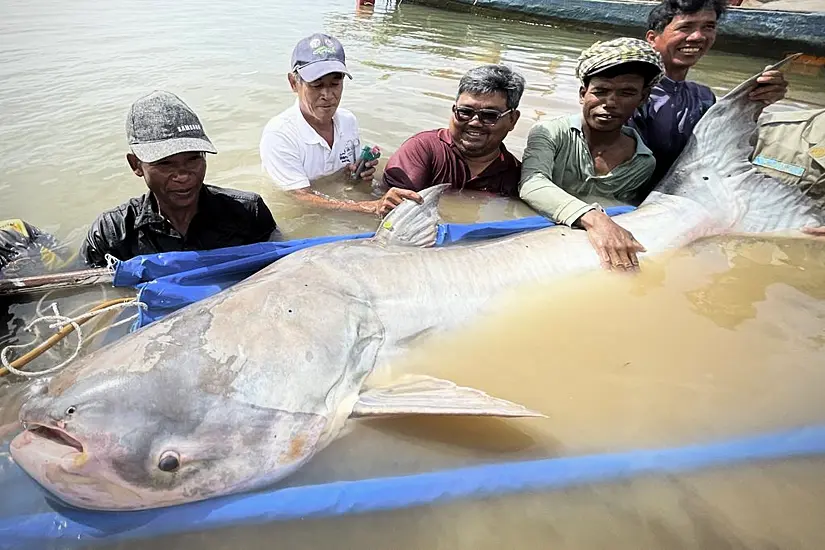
{"type": "Point", "coordinates": [683, 31]}
{"type": "Point", "coordinates": [26, 250]}
{"type": "Point", "coordinates": [168, 149]}
{"type": "Point", "coordinates": [316, 137]}
{"type": "Point", "coordinates": [571, 162]}
{"type": "Point", "coordinates": [470, 152]}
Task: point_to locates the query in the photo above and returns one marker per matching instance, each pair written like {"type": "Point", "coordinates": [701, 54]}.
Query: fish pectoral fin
{"type": "Point", "coordinates": [429, 395]}
{"type": "Point", "coordinates": [413, 224]}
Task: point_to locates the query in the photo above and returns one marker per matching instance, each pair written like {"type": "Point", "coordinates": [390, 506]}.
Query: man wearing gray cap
{"type": "Point", "coordinates": [315, 138]}
{"type": "Point", "coordinates": [168, 146]}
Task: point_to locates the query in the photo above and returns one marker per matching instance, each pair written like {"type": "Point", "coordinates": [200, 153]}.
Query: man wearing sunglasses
{"type": "Point", "coordinates": [570, 162]}
{"type": "Point", "coordinates": [470, 153]}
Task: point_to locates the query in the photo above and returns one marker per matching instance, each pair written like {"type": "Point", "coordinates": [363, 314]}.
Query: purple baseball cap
{"type": "Point", "coordinates": [317, 56]}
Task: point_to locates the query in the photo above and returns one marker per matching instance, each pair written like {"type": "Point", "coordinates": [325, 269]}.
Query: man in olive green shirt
{"type": "Point", "coordinates": [791, 148]}
{"type": "Point", "coordinates": [572, 160]}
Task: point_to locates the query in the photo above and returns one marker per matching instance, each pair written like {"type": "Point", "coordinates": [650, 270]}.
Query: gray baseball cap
{"type": "Point", "coordinates": [317, 56]}
{"type": "Point", "coordinates": [160, 125]}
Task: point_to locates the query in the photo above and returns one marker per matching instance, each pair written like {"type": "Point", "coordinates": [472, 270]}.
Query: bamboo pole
{"type": "Point", "coordinates": [54, 281]}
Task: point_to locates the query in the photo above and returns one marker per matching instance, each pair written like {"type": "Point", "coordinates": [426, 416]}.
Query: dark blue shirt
{"type": "Point", "coordinates": [666, 121]}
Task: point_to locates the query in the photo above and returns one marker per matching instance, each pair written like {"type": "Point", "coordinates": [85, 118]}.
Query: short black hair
{"type": "Point", "coordinates": [645, 70]}
{"type": "Point", "coordinates": [661, 15]}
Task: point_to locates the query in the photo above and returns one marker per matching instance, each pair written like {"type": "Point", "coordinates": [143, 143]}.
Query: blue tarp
{"type": "Point", "coordinates": [75, 528]}
{"type": "Point", "coordinates": [172, 280]}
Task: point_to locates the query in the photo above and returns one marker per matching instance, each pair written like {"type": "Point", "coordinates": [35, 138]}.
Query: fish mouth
{"type": "Point", "coordinates": [53, 435]}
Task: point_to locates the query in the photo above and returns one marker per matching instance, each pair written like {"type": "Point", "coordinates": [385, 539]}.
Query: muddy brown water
{"type": "Point", "coordinates": [723, 339]}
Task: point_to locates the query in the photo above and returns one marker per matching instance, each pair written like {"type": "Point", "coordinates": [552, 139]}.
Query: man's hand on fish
{"type": "Point", "coordinates": [393, 198]}
{"type": "Point", "coordinates": [816, 231]}
{"type": "Point", "coordinates": [771, 87]}
{"type": "Point", "coordinates": [368, 172]}
{"type": "Point", "coordinates": [616, 246]}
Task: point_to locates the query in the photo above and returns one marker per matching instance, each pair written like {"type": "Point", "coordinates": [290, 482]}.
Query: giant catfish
{"type": "Point", "coordinates": [239, 390]}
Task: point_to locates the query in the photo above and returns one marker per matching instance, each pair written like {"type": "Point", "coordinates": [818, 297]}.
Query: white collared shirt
{"type": "Point", "coordinates": [294, 154]}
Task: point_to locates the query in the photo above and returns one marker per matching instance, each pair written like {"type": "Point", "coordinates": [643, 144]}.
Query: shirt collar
{"type": "Point", "coordinates": [576, 122]}
{"type": "Point", "coordinates": [668, 84]}
{"type": "Point", "coordinates": [149, 213]}
{"type": "Point", "coordinates": [308, 133]}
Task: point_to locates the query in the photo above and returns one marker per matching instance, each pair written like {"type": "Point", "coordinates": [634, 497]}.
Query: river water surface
{"type": "Point", "coordinates": [720, 340]}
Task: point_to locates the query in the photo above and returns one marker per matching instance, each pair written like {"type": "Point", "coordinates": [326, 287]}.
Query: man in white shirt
{"type": "Point", "coordinates": [316, 138]}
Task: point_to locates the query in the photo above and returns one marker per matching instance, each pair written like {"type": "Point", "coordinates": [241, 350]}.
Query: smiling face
{"type": "Point", "coordinates": [684, 40]}
{"type": "Point", "coordinates": [176, 181]}
{"type": "Point", "coordinates": [474, 138]}
{"type": "Point", "coordinates": [607, 103]}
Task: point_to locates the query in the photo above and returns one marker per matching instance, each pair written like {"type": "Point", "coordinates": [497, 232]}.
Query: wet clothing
{"type": "Point", "coordinates": [225, 217]}
{"type": "Point", "coordinates": [666, 121]}
{"type": "Point", "coordinates": [431, 158]}
{"type": "Point", "coordinates": [25, 250]}
{"type": "Point", "coordinates": [791, 148]}
{"type": "Point", "coordinates": [558, 172]}
{"type": "Point", "coordinates": [294, 154]}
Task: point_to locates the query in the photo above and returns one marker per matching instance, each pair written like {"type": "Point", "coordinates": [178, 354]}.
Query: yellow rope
{"type": "Point", "coordinates": [58, 336]}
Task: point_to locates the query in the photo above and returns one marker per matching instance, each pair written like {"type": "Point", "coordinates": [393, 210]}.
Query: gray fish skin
{"type": "Point", "coordinates": [247, 385]}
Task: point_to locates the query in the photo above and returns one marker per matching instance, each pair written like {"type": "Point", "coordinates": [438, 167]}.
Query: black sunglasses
{"type": "Point", "coordinates": [487, 117]}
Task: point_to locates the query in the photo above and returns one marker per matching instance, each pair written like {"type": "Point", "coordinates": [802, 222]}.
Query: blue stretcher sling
{"type": "Point", "coordinates": [172, 280]}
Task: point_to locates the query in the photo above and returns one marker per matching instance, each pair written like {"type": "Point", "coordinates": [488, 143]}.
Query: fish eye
{"type": "Point", "coordinates": [169, 461]}
{"type": "Point", "coordinates": [71, 410]}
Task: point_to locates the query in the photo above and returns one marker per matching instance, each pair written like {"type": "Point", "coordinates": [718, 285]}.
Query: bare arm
{"type": "Point", "coordinates": [379, 207]}
{"type": "Point", "coordinates": [616, 247]}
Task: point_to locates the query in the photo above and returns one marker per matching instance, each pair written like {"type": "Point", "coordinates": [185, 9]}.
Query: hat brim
{"type": "Point", "coordinates": [153, 152]}
{"type": "Point", "coordinates": [655, 70]}
{"type": "Point", "coordinates": [313, 71]}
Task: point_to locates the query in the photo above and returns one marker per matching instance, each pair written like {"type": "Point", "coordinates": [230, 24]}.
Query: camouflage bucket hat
{"type": "Point", "coordinates": [606, 55]}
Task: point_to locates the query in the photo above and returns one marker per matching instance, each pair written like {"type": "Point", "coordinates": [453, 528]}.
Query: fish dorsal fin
{"type": "Point", "coordinates": [419, 394]}
{"type": "Point", "coordinates": [718, 149]}
{"type": "Point", "coordinates": [413, 224]}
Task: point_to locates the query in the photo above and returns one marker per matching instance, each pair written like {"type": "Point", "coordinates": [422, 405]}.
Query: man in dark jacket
{"type": "Point", "coordinates": [168, 150]}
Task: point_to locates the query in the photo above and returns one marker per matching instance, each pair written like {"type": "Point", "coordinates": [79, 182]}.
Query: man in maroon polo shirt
{"type": "Point", "coordinates": [470, 153]}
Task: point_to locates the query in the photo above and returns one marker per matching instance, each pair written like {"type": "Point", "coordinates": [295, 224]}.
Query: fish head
{"type": "Point", "coordinates": [153, 439]}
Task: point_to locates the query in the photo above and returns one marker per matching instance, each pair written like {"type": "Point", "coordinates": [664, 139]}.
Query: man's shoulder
{"type": "Point", "coordinates": [130, 209]}
{"type": "Point", "coordinates": [229, 196]}
{"type": "Point", "coordinates": [428, 138]}
{"type": "Point", "coordinates": [667, 90]}
{"type": "Point", "coordinates": [561, 121]}
{"type": "Point", "coordinates": [283, 121]}
{"type": "Point", "coordinates": [700, 90]}
{"type": "Point", "coordinates": [805, 116]}
{"type": "Point", "coordinates": [558, 126]}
